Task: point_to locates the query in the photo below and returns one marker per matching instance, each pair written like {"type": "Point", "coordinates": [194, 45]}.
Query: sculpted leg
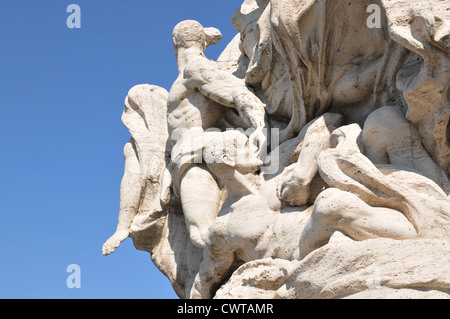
{"type": "Point", "coordinates": [338, 210]}
{"type": "Point", "coordinates": [200, 199]}
{"type": "Point", "coordinates": [217, 261]}
{"type": "Point", "coordinates": [130, 193]}
{"type": "Point", "coordinates": [296, 189]}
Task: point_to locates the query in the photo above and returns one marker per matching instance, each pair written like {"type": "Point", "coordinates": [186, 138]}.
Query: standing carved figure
{"type": "Point", "coordinates": [196, 103]}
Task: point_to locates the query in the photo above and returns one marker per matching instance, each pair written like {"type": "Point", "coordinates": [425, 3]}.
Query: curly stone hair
{"type": "Point", "coordinates": [192, 31]}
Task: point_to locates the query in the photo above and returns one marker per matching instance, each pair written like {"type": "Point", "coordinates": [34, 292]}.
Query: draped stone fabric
{"type": "Point", "coordinates": [322, 56]}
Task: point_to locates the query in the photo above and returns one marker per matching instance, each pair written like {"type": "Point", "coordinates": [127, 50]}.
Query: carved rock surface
{"type": "Point", "coordinates": [376, 268]}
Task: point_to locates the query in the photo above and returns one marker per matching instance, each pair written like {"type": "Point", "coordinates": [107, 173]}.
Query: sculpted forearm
{"type": "Point", "coordinates": [296, 190]}
{"type": "Point", "coordinates": [232, 92]}
{"type": "Point", "coordinates": [177, 93]}
{"type": "Point", "coordinates": [250, 108]}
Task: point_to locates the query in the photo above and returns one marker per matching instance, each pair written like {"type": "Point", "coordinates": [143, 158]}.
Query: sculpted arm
{"type": "Point", "coordinates": [179, 91]}
{"type": "Point", "coordinates": [176, 94]}
{"type": "Point", "coordinates": [226, 89]}
{"type": "Point", "coordinates": [296, 190]}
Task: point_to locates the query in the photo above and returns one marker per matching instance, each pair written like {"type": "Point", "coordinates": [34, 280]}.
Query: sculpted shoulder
{"type": "Point", "coordinates": [200, 69]}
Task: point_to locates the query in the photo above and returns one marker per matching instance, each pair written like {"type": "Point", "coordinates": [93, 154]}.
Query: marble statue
{"type": "Point", "coordinates": [196, 103]}
{"type": "Point", "coordinates": [311, 160]}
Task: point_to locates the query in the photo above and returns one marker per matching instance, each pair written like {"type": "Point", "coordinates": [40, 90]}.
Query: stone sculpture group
{"type": "Point", "coordinates": [311, 160]}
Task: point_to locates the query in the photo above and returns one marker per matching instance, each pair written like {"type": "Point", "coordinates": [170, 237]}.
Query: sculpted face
{"type": "Point", "coordinates": [232, 148]}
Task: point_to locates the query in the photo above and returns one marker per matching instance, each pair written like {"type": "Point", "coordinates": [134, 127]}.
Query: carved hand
{"type": "Point", "coordinates": [259, 139]}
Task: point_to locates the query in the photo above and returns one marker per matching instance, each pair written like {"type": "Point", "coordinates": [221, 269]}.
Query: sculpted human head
{"type": "Point", "coordinates": [231, 149]}
{"type": "Point", "coordinates": [190, 32]}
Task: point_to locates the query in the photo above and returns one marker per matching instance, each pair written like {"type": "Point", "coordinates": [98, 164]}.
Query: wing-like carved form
{"type": "Point", "coordinates": [149, 213]}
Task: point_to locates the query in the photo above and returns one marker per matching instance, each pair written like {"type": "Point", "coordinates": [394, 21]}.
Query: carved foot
{"type": "Point", "coordinates": [114, 242]}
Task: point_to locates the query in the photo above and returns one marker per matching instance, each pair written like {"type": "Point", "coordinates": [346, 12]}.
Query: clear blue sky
{"type": "Point", "coordinates": [61, 98]}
